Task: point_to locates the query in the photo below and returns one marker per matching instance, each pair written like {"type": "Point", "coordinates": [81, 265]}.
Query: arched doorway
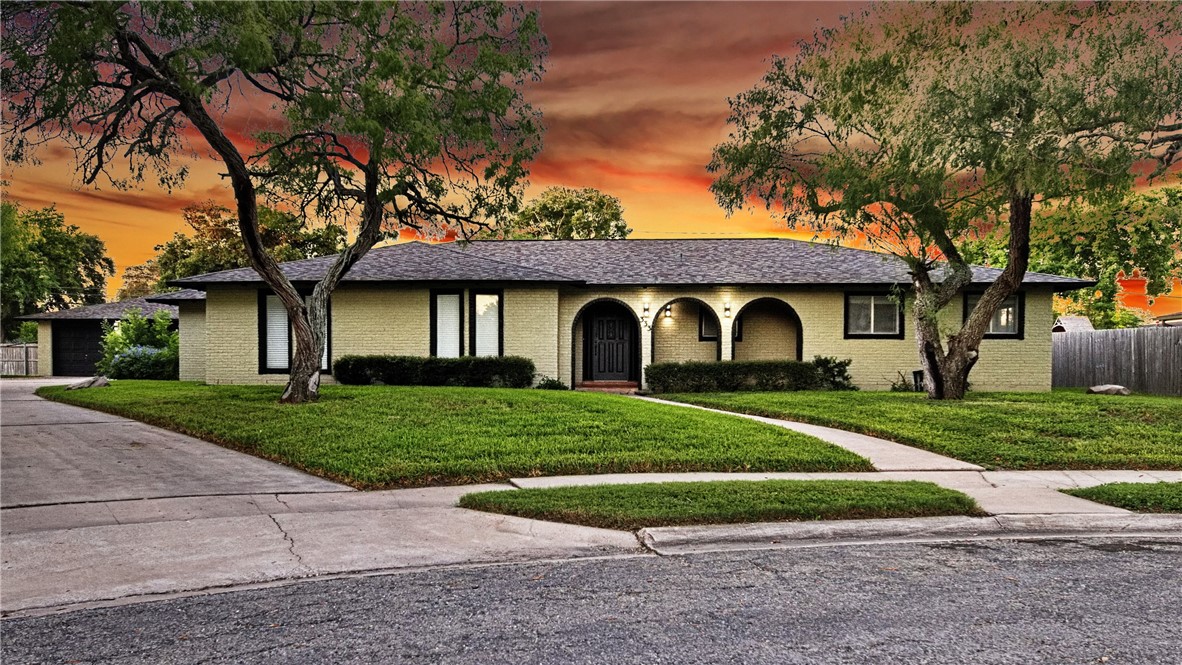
{"type": "Point", "coordinates": [767, 329]}
{"type": "Point", "coordinates": [606, 344]}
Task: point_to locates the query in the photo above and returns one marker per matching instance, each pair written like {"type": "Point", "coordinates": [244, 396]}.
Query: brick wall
{"type": "Point", "coordinates": [191, 323]}
{"type": "Point", "coordinates": [675, 338]}
{"type": "Point", "coordinates": [45, 348]}
{"type": "Point", "coordinates": [769, 333]}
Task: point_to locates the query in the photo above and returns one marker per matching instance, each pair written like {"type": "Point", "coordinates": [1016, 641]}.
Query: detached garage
{"type": "Point", "coordinates": [69, 341]}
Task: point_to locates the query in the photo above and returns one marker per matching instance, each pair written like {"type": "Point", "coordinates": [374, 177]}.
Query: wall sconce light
{"type": "Point", "coordinates": [726, 310]}
{"type": "Point", "coordinates": [645, 310]}
{"type": "Point", "coordinates": [668, 311]}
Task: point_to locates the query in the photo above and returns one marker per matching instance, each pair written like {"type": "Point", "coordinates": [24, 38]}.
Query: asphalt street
{"type": "Point", "coordinates": [1086, 601]}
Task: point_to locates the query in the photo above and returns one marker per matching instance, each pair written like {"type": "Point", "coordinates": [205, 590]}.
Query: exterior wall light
{"type": "Point", "coordinates": [726, 310]}
{"type": "Point", "coordinates": [645, 309]}
{"type": "Point", "coordinates": [669, 311]}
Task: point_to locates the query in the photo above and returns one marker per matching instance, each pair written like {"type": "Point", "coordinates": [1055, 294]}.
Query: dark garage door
{"type": "Point", "coordinates": [76, 347]}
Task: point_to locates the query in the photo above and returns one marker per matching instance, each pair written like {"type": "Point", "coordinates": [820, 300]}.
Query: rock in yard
{"type": "Point", "coordinates": [1108, 389]}
{"type": "Point", "coordinates": [92, 382]}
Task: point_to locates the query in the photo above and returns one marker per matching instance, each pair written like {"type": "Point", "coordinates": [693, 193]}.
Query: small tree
{"type": "Point", "coordinates": [562, 213]}
{"type": "Point", "coordinates": [913, 124]}
{"type": "Point", "coordinates": [391, 115]}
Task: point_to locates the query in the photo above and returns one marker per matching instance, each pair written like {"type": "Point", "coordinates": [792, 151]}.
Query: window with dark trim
{"type": "Point", "coordinates": [276, 344]}
{"type": "Point", "coordinates": [1009, 319]}
{"type": "Point", "coordinates": [486, 316]}
{"type": "Point", "coordinates": [737, 328]}
{"type": "Point", "coordinates": [707, 325]}
{"type": "Point", "coordinates": [447, 323]}
{"type": "Point", "coordinates": [873, 316]}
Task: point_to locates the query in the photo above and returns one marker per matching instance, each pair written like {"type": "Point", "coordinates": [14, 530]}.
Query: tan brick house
{"type": "Point", "coordinates": [593, 312]}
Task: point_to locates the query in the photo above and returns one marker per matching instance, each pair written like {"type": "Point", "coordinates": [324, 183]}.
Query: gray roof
{"type": "Point", "coordinates": [735, 261]}
{"type": "Point", "coordinates": [173, 297]}
{"type": "Point", "coordinates": [108, 311]}
{"type": "Point", "coordinates": [1074, 323]}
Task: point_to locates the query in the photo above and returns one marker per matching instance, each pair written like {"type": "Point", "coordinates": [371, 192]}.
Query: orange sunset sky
{"type": "Point", "coordinates": [634, 100]}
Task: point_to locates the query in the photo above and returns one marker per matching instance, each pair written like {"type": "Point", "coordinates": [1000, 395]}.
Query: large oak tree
{"type": "Point", "coordinates": [387, 115]}
{"type": "Point", "coordinates": [914, 123]}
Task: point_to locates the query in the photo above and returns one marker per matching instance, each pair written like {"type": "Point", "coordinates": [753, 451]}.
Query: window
{"type": "Point", "coordinates": [485, 314]}
{"type": "Point", "coordinates": [1007, 318]}
{"type": "Point", "coordinates": [447, 324]}
{"type": "Point", "coordinates": [275, 339]}
{"type": "Point", "coordinates": [873, 315]}
{"type": "Point", "coordinates": [707, 325]}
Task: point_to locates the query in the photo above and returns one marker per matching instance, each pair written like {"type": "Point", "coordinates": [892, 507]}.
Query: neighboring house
{"type": "Point", "coordinates": [595, 313]}
{"type": "Point", "coordinates": [69, 340]}
{"type": "Point", "coordinates": [1174, 319]}
{"type": "Point", "coordinates": [1072, 323]}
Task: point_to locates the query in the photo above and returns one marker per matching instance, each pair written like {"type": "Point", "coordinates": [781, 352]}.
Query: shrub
{"type": "Point", "coordinates": [27, 332]}
{"type": "Point", "coordinates": [137, 330]}
{"type": "Point", "coordinates": [833, 374]}
{"type": "Point", "coordinates": [731, 376]}
{"type": "Point", "coordinates": [144, 362]}
{"type": "Point", "coordinates": [547, 383]}
{"type": "Point", "coordinates": [481, 372]}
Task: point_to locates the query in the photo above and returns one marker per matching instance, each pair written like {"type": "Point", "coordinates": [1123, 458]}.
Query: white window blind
{"type": "Point", "coordinates": [277, 334]}
{"type": "Point", "coordinates": [487, 340]}
{"type": "Point", "coordinates": [447, 325]}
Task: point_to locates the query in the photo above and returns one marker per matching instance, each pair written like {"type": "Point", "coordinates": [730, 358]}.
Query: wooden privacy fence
{"type": "Point", "coordinates": [18, 359]}
{"type": "Point", "coordinates": [1146, 360]}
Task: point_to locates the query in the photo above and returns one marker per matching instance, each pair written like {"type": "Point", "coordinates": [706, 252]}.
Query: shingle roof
{"type": "Point", "coordinates": [183, 295]}
{"type": "Point", "coordinates": [734, 261]}
{"type": "Point", "coordinates": [1073, 323]}
{"type": "Point", "coordinates": [108, 311]}
{"type": "Point", "coordinates": [405, 262]}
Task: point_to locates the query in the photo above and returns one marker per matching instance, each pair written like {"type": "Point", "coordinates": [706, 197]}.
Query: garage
{"type": "Point", "coordinates": [69, 341]}
{"type": "Point", "coordinates": [76, 347]}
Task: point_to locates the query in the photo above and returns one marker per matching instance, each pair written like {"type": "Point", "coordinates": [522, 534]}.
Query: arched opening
{"type": "Point", "coordinates": [686, 329]}
{"type": "Point", "coordinates": [767, 329]}
{"type": "Point", "coordinates": [606, 344]}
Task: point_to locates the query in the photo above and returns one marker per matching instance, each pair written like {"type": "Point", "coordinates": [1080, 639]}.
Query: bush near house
{"type": "Point", "coordinates": [757, 375]}
{"type": "Point", "coordinates": [471, 372]}
{"type": "Point", "coordinates": [138, 347]}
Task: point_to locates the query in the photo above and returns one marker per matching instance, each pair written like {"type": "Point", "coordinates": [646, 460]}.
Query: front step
{"type": "Point", "coordinates": [618, 387]}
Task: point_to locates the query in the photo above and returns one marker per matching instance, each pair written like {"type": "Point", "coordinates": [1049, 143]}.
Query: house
{"type": "Point", "coordinates": [597, 312]}
{"type": "Point", "coordinates": [1174, 319]}
{"type": "Point", "coordinates": [69, 340]}
{"type": "Point", "coordinates": [1072, 323]}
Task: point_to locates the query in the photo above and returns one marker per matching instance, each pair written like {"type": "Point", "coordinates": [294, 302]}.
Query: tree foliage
{"type": "Point", "coordinates": [214, 243]}
{"type": "Point", "coordinates": [1140, 232]}
{"type": "Point", "coordinates": [563, 213]}
{"type": "Point", "coordinates": [47, 264]}
{"type": "Point", "coordinates": [391, 115]}
{"type": "Point", "coordinates": [912, 124]}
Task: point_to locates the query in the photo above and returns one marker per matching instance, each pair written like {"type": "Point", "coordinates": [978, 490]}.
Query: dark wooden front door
{"type": "Point", "coordinates": [611, 337]}
{"type": "Point", "coordinates": [77, 346]}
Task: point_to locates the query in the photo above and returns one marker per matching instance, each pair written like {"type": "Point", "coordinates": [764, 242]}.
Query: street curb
{"type": "Point", "coordinates": [676, 540]}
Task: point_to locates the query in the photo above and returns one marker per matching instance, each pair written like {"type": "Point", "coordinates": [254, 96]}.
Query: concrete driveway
{"type": "Point", "coordinates": [55, 453]}
{"type": "Point", "coordinates": [97, 508]}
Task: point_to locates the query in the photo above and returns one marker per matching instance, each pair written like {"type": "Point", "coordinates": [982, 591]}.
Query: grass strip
{"type": "Point", "coordinates": [631, 507]}
{"type": "Point", "coordinates": [1138, 497]}
{"type": "Point", "coordinates": [375, 437]}
{"type": "Point", "coordinates": [1063, 429]}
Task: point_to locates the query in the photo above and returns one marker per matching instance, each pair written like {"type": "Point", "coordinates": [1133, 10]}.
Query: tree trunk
{"type": "Point", "coordinates": [946, 370]}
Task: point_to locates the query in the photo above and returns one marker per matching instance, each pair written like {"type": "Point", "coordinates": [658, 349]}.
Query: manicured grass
{"type": "Point", "coordinates": [1064, 429]}
{"type": "Point", "coordinates": [1140, 497]}
{"type": "Point", "coordinates": [383, 436]}
{"type": "Point", "coordinates": [633, 507]}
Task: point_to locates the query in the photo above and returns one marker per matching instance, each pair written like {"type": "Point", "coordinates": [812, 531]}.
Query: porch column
{"type": "Point", "coordinates": [646, 348]}
{"type": "Point", "coordinates": [726, 338]}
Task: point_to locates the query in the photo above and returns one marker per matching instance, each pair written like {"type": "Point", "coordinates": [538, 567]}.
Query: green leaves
{"type": "Point", "coordinates": [562, 213]}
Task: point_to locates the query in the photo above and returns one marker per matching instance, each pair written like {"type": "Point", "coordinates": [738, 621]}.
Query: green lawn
{"type": "Point", "coordinates": [383, 436]}
{"type": "Point", "coordinates": [633, 507]}
{"type": "Point", "coordinates": [1064, 429]}
{"type": "Point", "coordinates": [1140, 497]}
